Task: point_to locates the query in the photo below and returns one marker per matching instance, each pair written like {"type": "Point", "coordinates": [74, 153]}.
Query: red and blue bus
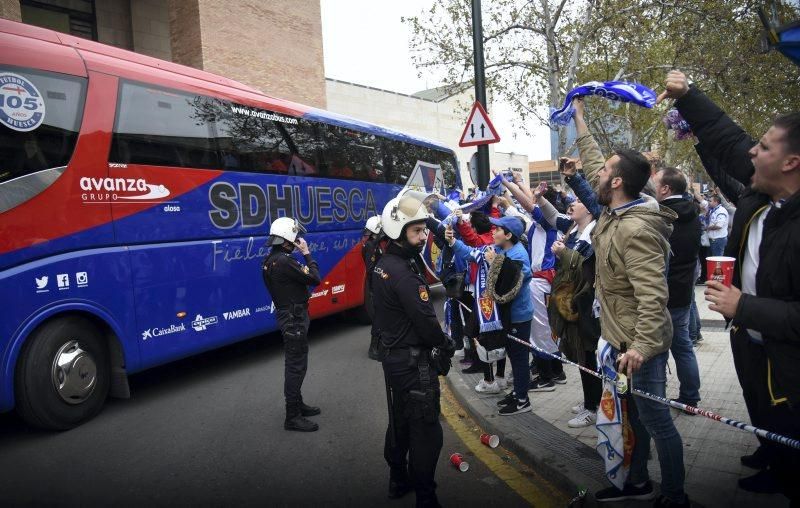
{"type": "Point", "coordinates": [135, 199]}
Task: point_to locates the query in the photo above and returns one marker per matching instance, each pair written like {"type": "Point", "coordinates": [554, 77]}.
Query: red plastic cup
{"type": "Point", "coordinates": [720, 268]}
{"type": "Point", "coordinates": [458, 460]}
{"type": "Point", "coordinates": [490, 440]}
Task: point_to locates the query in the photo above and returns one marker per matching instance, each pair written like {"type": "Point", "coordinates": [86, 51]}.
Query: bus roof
{"type": "Point", "coordinates": [121, 56]}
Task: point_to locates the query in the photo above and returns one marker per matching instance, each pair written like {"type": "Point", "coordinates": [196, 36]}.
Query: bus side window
{"type": "Point", "coordinates": [50, 143]}
{"type": "Point", "coordinates": [162, 127]}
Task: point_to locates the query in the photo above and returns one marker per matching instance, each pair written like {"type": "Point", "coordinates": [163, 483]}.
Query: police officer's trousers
{"type": "Point", "coordinates": [293, 321]}
{"type": "Point", "coordinates": [418, 437]}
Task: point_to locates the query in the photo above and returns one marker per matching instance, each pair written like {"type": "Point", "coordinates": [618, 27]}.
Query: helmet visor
{"type": "Point", "coordinates": [411, 201]}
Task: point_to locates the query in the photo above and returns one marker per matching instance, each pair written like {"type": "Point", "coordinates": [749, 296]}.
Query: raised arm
{"type": "Point", "coordinates": [724, 140]}
{"type": "Point", "coordinates": [591, 156]}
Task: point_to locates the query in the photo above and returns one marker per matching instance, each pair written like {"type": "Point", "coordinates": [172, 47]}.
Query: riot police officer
{"type": "Point", "coordinates": [411, 339]}
{"type": "Point", "coordinates": [288, 282]}
{"type": "Point", "coordinates": [371, 250]}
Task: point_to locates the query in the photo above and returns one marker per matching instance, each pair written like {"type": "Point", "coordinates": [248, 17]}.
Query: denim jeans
{"type": "Point", "coordinates": [718, 246]}
{"type": "Point", "coordinates": [649, 418]}
{"type": "Point", "coordinates": [683, 353]}
{"type": "Point", "coordinates": [694, 321]}
{"type": "Point", "coordinates": [518, 356]}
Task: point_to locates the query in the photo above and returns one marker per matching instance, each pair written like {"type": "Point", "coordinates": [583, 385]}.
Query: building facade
{"type": "Point", "coordinates": [436, 114]}
{"type": "Point", "coordinates": [273, 46]}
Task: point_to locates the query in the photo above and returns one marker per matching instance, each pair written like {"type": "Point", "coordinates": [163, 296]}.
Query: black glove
{"type": "Point", "coordinates": [449, 346]}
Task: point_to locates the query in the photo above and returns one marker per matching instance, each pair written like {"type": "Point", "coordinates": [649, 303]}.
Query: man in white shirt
{"type": "Point", "coordinates": [717, 226]}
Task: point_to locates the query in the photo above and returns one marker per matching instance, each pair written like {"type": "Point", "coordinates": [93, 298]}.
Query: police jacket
{"type": "Point", "coordinates": [286, 279]}
{"type": "Point", "coordinates": [775, 309]}
{"type": "Point", "coordinates": [403, 310]}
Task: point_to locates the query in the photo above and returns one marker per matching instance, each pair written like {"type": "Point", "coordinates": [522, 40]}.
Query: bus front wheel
{"type": "Point", "coordinates": [63, 374]}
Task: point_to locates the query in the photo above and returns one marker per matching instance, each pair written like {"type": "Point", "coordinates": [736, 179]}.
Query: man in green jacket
{"type": "Point", "coordinates": [631, 244]}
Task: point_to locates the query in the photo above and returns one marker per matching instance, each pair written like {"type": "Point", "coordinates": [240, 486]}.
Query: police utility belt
{"type": "Point", "coordinates": [424, 403]}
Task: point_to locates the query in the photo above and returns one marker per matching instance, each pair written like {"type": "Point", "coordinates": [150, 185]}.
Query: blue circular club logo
{"type": "Point", "coordinates": [21, 104]}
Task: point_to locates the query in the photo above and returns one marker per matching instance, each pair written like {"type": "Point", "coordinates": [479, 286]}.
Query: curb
{"type": "Point", "coordinates": [558, 457]}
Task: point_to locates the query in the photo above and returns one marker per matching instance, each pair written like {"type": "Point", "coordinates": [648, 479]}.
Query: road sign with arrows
{"type": "Point", "coordinates": [479, 129]}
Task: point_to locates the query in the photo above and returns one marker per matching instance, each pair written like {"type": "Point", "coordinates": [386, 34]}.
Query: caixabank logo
{"type": "Point", "coordinates": [114, 190]}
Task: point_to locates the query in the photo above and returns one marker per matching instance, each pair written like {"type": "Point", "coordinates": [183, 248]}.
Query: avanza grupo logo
{"type": "Point", "coordinates": [109, 190]}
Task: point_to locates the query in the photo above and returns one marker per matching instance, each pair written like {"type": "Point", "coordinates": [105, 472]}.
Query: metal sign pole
{"type": "Point", "coordinates": [480, 89]}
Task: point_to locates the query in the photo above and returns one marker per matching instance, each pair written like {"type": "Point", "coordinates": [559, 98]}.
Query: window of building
{"type": "Point", "coordinates": [75, 17]}
{"type": "Point", "coordinates": [51, 143]}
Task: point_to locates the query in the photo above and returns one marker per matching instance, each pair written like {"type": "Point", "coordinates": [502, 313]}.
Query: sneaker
{"type": "Point", "coordinates": [665, 502]}
{"type": "Point", "coordinates": [459, 353]}
{"type": "Point", "coordinates": [584, 419]}
{"type": "Point", "coordinates": [465, 362]}
{"type": "Point", "coordinates": [484, 387]}
{"type": "Point", "coordinates": [508, 399]}
{"type": "Point", "coordinates": [538, 385]}
{"type": "Point", "coordinates": [501, 382]}
{"type": "Point", "coordinates": [560, 378]}
{"type": "Point", "coordinates": [699, 337]}
{"type": "Point", "coordinates": [643, 493]}
{"type": "Point", "coordinates": [578, 409]}
{"type": "Point", "coordinates": [516, 408]}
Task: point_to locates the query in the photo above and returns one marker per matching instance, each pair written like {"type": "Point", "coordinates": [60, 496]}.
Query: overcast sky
{"type": "Point", "coordinates": [366, 43]}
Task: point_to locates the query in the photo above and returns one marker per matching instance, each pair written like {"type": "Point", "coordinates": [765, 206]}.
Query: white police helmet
{"type": "Point", "coordinates": [373, 224]}
{"type": "Point", "coordinates": [406, 208]}
{"type": "Point", "coordinates": [284, 229]}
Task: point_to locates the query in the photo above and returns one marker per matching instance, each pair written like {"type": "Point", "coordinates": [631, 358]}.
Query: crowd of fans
{"type": "Point", "coordinates": [616, 259]}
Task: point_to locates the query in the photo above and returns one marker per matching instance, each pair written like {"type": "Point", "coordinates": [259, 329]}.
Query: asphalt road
{"type": "Point", "coordinates": [208, 430]}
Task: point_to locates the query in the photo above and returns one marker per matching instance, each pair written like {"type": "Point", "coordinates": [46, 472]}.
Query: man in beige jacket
{"type": "Point", "coordinates": [631, 245]}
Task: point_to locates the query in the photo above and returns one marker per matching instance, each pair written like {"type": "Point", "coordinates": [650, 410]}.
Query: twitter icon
{"type": "Point", "coordinates": [41, 284]}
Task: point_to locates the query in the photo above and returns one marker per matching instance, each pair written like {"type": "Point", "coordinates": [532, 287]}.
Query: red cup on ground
{"type": "Point", "coordinates": [458, 460]}
{"type": "Point", "coordinates": [490, 440]}
{"type": "Point", "coordinates": [720, 268]}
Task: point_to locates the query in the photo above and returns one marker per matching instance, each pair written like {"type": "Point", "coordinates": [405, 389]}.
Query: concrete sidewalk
{"type": "Point", "coordinates": [567, 456]}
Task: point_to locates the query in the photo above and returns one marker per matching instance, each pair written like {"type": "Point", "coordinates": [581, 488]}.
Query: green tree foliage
{"type": "Point", "coordinates": [537, 50]}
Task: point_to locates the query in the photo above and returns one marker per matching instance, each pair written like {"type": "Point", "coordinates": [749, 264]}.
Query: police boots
{"type": "Point", "coordinates": [295, 418]}
{"type": "Point", "coordinates": [299, 423]}
{"type": "Point", "coordinates": [309, 410]}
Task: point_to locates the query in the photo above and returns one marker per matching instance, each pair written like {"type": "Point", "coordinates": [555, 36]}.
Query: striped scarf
{"type": "Point", "coordinates": [486, 308]}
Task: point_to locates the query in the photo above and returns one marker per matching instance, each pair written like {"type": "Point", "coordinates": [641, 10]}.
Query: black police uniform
{"type": "Point", "coordinates": [409, 330]}
{"type": "Point", "coordinates": [288, 283]}
{"type": "Point", "coordinates": [371, 251]}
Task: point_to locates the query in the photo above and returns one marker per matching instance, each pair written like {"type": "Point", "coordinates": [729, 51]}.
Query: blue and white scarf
{"type": "Point", "coordinates": [495, 188]}
{"type": "Point", "coordinates": [611, 90]}
{"type": "Point", "coordinates": [612, 421]}
{"type": "Point", "coordinates": [486, 308]}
